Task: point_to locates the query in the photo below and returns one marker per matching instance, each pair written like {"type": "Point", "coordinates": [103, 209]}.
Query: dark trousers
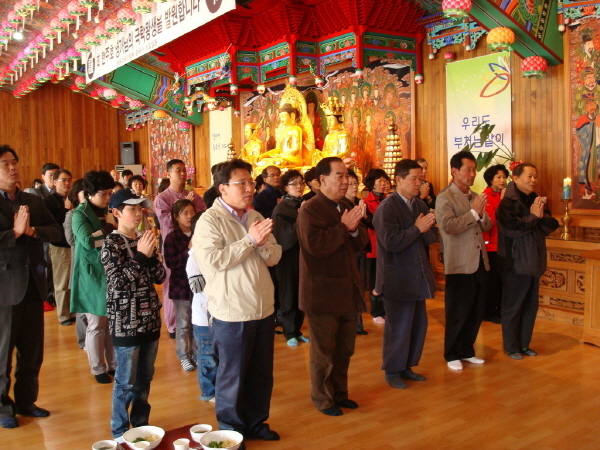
{"type": "Point", "coordinates": [377, 308]}
{"type": "Point", "coordinates": [403, 334]}
{"type": "Point", "coordinates": [332, 344]}
{"type": "Point", "coordinates": [519, 309]}
{"type": "Point", "coordinates": [464, 299]}
{"type": "Point", "coordinates": [49, 275]}
{"type": "Point", "coordinates": [21, 326]}
{"type": "Point", "coordinates": [244, 384]}
{"type": "Point", "coordinates": [290, 317]}
{"type": "Point", "coordinates": [494, 292]}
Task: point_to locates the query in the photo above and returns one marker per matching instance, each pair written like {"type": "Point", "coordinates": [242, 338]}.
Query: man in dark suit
{"type": "Point", "coordinates": [44, 190]}
{"type": "Point", "coordinates": [330, 233]}
{"type": "Point", "coordinates": [25, 224]}
{"type": "Point", "coordinates": [404, 228]}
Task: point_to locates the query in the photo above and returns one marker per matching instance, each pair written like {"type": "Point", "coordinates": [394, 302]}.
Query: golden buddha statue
{"type": "Point", "coordinates": [294, 136]}
{"type": "Point", "coordinates": [254, 146]}
{"type": "Point", "coordinates": [337, 142]}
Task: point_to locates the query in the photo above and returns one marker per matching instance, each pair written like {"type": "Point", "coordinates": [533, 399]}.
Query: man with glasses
{"type": "Point", "coordinates": [266, 201]}
{"type": "Point", "coordinates": [234, 247]}
{"type": "Point", "coordinates": [25, 224]}
{"type": "Point", "coordinates": [60, 252]}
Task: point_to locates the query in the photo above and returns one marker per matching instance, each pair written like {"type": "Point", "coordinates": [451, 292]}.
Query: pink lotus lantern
{"type": "Point", "coordinates": [13, 19]}
{"type": "Point", "coordinates": [115, 103]}
{"type": "Point", "coordinates": [73, 56]}
{"type": "Point", "coordinates": [449, 56]}
{"type": "Point", "coordinates": [113, 26]}
{"type": "Point", "coordinates": [135, 105]}
{"type": "Point", "coordinates": [30, 5]}
{"type": "Point", "coordinates": [500, 39]}
{"type": "Point", "coordinates": [75, 88]}
{"type": "Point", "coordinates": [419, 78]}
{"type": "Point", "coordinates": [121, 99]}
{"type": "Point", "coordinates": [101, 33]}
{"type": "Point", "coordinates": [65, 18]}
{"type": "Point", "coordinates": [90, 39]}
{"type": "Point", "coordinates": [534, 67]}
{"type": "Point", "coordinates": [141, 6]}
{"type": "Point", "coordinates": [81, 47]}
{"type": "Point", "coordinates": [50, 35]}
{"type": "Point", "coordinates": [183, 126]}
{"type": "Point", "coordinates": [10, 27]}
{"type": "Point", "coordinates": [43, 43]}
{"type": "Point", "coordinates": [233, 89]}
{"type": "Point", "coordinates": [21, 11]}
{"type": "Point", "coordinates": [80, 82]}
{"type": "Point", "coordinates": [458, 9]}
{"type": "Point", "coordinates": [109, 94]}
{"type": "Point", "coordinates": [126, 16]}
{"type": "Point", "coordinates": [59, 27]}
{"type": "Point", "coordinates": [76, 10]}
{"type": "Point", "coordinates": [261, 89]}
{"type": "Point", "coordinates": [51, 69]}
{"type": "Point", "coordinates": [89, 4]}
{"type": "Point", "coordinates": [95, 94]}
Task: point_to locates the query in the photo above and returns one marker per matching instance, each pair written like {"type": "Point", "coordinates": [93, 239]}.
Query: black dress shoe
{"type": "Point", "coordinates": [362, 332]}
{"type": "Point", "coordinates": [33, 411]}
{"type": "Point", "coordinates": [332, 411]}
{"type": "Point", "coordinates": [103, 378]}
{"type": "Point", "coordinates": [528, 352]}
{"type": "Point", "coordinates": [515, 355]}
{"type": "Point", "coordinates": [9, 422]}
{"type": "Point", "coordinates": [408, 374]}
{"type": "Point", "coordinates": [395, 381]}
{"type": "Point", "coordinates": [111, 372]}
{"type": "Point", "coordinates": [172, 335]}
{"type": "Point", "coordinates": [264, 433]}
{"type": "Point", "coordinates": [350, 404]}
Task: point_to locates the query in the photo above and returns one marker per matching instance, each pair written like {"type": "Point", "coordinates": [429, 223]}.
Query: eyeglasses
{"type": "Point", "coordinates": [243, 184]}
{"type": "Point", "coordinates": [297, 183]}
{"type": "Point", "coordinates": [65, 180]}
{"type": "Point", "coordinates": [274, 175]}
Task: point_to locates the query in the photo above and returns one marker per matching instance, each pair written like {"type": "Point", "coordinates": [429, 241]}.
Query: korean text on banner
{"type": "Point", "coordinates": [478, 90]}
{"type": "Point", "coordinates": [166, 22]}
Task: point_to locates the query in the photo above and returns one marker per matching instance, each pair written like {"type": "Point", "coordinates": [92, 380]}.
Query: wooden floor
{"type": "Point", "coordinates": [548, 402]}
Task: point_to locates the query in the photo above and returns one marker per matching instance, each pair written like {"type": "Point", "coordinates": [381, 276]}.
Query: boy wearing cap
{"type": "Point", "coordinates": [132, 267]}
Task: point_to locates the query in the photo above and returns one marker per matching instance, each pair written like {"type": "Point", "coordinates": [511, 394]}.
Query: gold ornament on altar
{"type": "Point", "coordinates": [294, 136]}
{"type": "Point", "coordinates": [393, 153]}
{"type": "Point", "coordinates": [254, 146]}
{"type": "Point", "coordinates": [230, 151]}
{"type": "Point", "coordinates": [337, 141]}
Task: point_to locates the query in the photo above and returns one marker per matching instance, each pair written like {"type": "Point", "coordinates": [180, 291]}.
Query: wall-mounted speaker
{"type": "Point", "coordinates": [128, 153]}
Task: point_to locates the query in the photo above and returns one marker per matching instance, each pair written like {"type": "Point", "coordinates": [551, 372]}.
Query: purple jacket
{"type": "Point", "coordinates": [176, 256]}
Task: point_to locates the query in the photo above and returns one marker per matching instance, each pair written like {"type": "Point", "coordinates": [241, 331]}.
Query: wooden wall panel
{"type": "Point", "coordinates": [53, 124]}
{"type": "Point", "coordinates": [201, 140]}
{"type": "Point", "coordinates": [539, 116]}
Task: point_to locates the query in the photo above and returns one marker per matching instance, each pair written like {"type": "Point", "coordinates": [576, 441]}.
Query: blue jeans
{"type": "Point", "coordinates": [207, 363]}
{"type": "Point", "coordinates": [135, 369]}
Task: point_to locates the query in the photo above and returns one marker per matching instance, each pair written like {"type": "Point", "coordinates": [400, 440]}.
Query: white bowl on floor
{"type": "Point", "coordinates": [143, 432]}
{"type": "Point", "coordinates": [106, 444]}
{"type": "Point", "coordinates": [220, 436]}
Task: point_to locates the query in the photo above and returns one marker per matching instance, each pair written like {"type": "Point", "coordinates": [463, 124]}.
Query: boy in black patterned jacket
{"type": "Point", "coordinates": [132, 267]}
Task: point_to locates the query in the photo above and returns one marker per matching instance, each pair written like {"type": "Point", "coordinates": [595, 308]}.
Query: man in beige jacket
{"type": "Point", "coordinates": [234, 247]}
{"type": "Point", "coordinates": [461, 218]}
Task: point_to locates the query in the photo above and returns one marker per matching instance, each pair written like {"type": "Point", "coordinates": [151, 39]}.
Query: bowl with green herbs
{"type": "Point", "coordinates": [228, 439]}
{"type": "Point", "coordinates": [146, 433]}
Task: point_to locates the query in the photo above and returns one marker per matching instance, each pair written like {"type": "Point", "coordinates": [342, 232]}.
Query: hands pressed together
{"type": "Point", "coordinates": [479, 204]}
{"type": "Point", "coordinates": [537, 208]}
{"type": "Point", "coordinates": [425, 221]}
{"type": "Point", "coordinates": [147, 243]}
{"type": "Point", "coordinates": [260, 231]}
{"type": "Point", "coordinates": [22, 225]}
{"type": "Point", "coordinates": [352, 217]}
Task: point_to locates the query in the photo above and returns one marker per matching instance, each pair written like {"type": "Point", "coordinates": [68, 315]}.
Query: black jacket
{"type": "Point", "coordinates": [522, 235]}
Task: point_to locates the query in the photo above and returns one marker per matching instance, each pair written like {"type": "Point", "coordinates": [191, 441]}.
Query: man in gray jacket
{"type": "Point", "coordinates": [404, 228]}
{"type": "Point", "coordinates": [461, 217]}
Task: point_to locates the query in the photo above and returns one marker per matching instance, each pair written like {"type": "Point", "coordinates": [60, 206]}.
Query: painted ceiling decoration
{"type": "Point", "coordinates": [57, 31]}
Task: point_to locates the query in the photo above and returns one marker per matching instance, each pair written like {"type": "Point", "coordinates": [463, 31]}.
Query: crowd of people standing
{"type": "Point", "coordinates": [252, 261]}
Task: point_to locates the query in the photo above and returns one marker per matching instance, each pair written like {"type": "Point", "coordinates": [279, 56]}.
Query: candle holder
{"type": "Point", "coordinates": [566, 220]}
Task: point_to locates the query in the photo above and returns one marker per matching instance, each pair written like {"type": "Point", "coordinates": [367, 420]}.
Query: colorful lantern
{"type": "Point", "coordinates": [58, 27]}
{"type": "Point", "coordinates": [261, 89]}
{"type": "Point", "coordinates": [75, 88]}
{"type": "Point", "coordinates": [65, 18]}
{"type": "Point", "coordinates": [141, 6]}
{"type": "Point", "coordinates": [319, 82]}
{"type": "Point", "coordinates": [109, 94]}
{"type": "Point", "coordinates": [293, 80]}
{"type": "Point", "coordinates": [449, 56]}
{"type": "Point", "coordinates": [419, 78]}
{"type": "Point", "coordinates": [115, 103]}
{"type": "Point", "coordinates": [101, 33]}
{"type": "Point", "coordinates": [95, 94]}
{"type": "Point", "coordinates": [236, 113]}
{"type": "Point", "coordinates": [89, 4]}
{"type": "Point", "coordinates": [534, 67]}
{"type": "Point", "coordinates": [81, 47]}
{"type": "Point", "coordinates": [233, 89]}
{"type": "Point", "coordinates": [21, 11]}
{"type": "Point", "coordinates": [159, 114]}
{"type": "Point", "coordinates": [458, 9]}
{"type": "Point", "coordinates": [211, 104]}
{"type": "Point", "coordinates": [80, 82]}
{"type": "Point", "coordinates": [135, 105]}
{"type": "Point", "coordinates": [359, 74]}
{"type": "Point", "coordinates": [90, 39]}
{"type": "Point", "coordinates": [183, 126]}
{"type": "Point", "coordinates": [113, 26]}
{"type": "Point", "coordinates": [126, 16]}
{"type": "Point", "coordinates": [500, 39]}
{"type": "Point", "coordinates": [76, 10]}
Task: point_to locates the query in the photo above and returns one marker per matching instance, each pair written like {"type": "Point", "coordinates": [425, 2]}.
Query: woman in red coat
{"type": "Point", "coordinates": [495, 177]}
{"type": "Point", "coordinates": [377, 183]}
